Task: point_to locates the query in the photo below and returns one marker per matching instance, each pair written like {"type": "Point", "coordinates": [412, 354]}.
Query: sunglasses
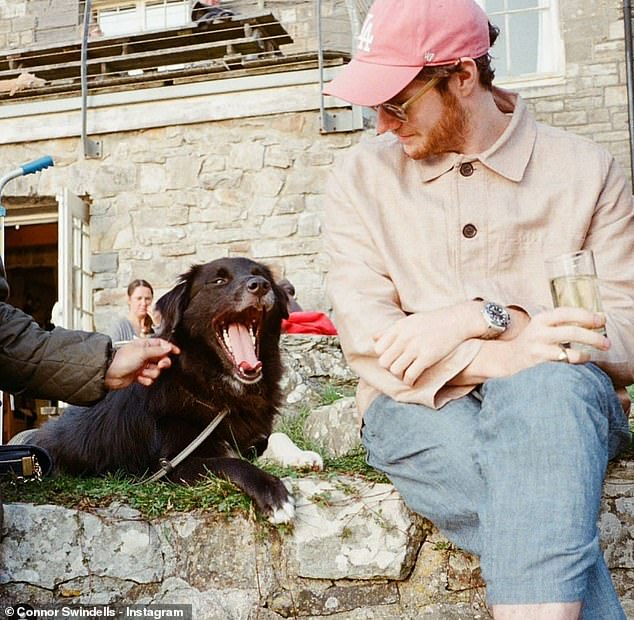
{"type": "Point", "coordinates": [399, 111]}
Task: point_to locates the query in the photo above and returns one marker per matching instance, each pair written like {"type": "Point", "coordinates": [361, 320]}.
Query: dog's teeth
{"type": "Point", "coordinates": [227, 340]}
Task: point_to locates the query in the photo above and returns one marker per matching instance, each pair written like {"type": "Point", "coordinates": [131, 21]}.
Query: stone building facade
{"type": "Point", "coordinates": [238, 166]}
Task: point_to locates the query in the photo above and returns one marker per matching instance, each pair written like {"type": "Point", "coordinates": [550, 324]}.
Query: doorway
{"type": "Point", "coordinates": [31, 266]}
{"type": "Point", "coordinates": [47, 250]}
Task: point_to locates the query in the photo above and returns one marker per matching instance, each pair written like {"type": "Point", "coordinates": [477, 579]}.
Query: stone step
{"type": "Point", "coordinates": [355, 552]}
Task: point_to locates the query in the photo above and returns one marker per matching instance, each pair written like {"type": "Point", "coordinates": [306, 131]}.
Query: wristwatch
{"type": "Point", "coordinates": [497, 319]}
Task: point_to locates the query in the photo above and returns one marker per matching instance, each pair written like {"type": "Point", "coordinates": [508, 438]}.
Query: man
{"type": "Point", "coordinates": [73, 366]}
{"type": "Point", "coordinates": [474, 403]}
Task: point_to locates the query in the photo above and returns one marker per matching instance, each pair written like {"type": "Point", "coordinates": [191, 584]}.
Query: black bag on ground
{"type": "Point", "coordinates": [25, 462]}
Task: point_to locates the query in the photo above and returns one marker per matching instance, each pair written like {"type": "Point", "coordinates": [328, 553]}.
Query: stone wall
{"type": "Point", "coordinates": [165, 197]}
{"type": "Point", "coordinates": [162, 199]}
{"type": "Point", "coordinates": [17, 24]}
{"type": "Point", "coordinates": [355, 552]}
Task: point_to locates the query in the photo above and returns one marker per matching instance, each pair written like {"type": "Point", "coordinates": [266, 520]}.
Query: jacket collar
{"type": "Point", "coordinates": [508, 156]}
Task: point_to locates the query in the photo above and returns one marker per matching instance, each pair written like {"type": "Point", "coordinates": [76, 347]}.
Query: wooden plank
{"type": "Point", "coordinates": [146, 60]}
{"type": "Point", "coordinates": [202, 71]}
{"type": "Point", "coordinates": [35, 57]}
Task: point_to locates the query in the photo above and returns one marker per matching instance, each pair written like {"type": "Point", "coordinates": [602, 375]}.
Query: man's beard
{"type": "Point", "coordinates": [449, 135]}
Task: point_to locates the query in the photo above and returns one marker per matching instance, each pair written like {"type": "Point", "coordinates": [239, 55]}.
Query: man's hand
{"type": "Point", "coordinates": [540, 340]}
{"type": "Point", "coordinates": [420, 340]}
{"type": "Point", "coordinates": [139, 360]}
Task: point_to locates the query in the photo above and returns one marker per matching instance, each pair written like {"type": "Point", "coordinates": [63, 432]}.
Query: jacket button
{"type": "Point", "coordinates": [466, 169]}
{"type": "Point", "coordinates": [469, 231]}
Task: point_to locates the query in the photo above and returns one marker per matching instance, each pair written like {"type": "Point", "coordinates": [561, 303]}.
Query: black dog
{"type": "Point", "coordinates": [225, 316]}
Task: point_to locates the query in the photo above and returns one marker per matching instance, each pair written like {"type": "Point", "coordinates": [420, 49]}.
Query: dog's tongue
{"type": "Point", "coordinates": [242, 345]}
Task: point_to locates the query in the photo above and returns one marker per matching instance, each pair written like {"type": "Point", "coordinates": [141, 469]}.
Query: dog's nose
{"type": "Point", "coordinates": [258, 285]}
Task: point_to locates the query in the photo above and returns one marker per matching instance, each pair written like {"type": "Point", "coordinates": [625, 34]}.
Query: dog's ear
{"type": "Point", "coordinates": [173, 304]}
{"type": "Point", "coordinates": [170, 307]}
{"type": "Point", "coordinates": [282, 299]}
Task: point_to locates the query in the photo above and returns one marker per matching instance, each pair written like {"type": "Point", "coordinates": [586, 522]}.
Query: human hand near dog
{"type": "Point", "coordinates": [140, 360]}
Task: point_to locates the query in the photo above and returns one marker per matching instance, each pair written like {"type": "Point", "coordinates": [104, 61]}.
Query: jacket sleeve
{"type": "Point", "coordinates": [611, 236]}
{"type": "Point", "coordinates": [61, 365]}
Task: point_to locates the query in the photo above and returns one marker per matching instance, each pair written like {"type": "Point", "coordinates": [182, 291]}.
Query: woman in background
{"type": "Point", "coordinates": [138, 323]}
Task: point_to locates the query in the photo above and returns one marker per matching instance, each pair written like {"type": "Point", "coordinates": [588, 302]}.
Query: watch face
{"type": "Point", "coordinates": [497, 314]}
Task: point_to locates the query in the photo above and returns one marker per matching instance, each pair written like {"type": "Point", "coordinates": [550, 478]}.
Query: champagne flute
{"type": "Point", "coordinates": [574, 282]}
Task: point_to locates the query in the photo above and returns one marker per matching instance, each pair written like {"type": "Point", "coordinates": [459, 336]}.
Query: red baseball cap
{"type": "Point", "coordinates": [400, 37]}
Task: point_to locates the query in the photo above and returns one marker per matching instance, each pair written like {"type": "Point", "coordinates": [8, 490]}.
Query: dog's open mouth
{"type": "Point", "coordinates": [239, 337]}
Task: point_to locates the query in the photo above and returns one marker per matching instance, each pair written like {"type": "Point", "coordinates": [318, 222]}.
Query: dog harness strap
{"type": "Point", "coordinates": [168, 466]}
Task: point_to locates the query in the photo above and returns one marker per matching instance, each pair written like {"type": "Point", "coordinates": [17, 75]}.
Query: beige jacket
{"type": "Point", "coordinates": [409, 236]}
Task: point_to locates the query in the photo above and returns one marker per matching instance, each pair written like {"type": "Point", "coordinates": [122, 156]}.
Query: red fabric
{"type": "Point", "coordinates": [309, 323]}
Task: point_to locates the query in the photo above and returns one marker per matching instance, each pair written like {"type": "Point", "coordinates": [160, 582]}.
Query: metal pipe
{"type": "Point", "coordinates": [320, 59]}
{"type": "Point", "coordinates": [84, 77]}
{"type": "Point", "coordinates": [3, 212]}
{"type": "Point", "coordinates": [28, 168]}
{"type": "Point", "coordinates": [627, 18]}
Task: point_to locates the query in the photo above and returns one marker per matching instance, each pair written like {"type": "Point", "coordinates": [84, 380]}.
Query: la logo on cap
{"type": "Point", "coordinates": [366, 37]}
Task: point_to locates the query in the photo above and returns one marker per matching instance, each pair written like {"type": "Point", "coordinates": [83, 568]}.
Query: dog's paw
{"type": "Point", "coordinates": [284, 452]}
{"type": "Point", "coordinates": [278, 502]}
{"type": "Point", "coordinates": [284, 513]}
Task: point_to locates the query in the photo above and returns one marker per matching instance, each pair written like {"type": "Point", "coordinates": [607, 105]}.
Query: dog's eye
{"type": "Point", "coordinates": [219, 281]}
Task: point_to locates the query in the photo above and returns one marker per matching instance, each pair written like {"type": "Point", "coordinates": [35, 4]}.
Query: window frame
{"type": "Point", "coordinates": [140, 14]}
{"type": "Point", "coordinates": [556, 71]}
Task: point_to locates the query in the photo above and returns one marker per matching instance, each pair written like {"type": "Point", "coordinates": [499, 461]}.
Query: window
{"type": "Point", "coordinates": [530, 43]}
{"type": "Point", "coordinates": [118, 19]}
{"type": "Point", "coordinates": [163, 14]}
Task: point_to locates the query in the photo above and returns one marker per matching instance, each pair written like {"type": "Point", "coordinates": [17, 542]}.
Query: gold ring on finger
{"type": "Point", "coordinates": [563, 354]}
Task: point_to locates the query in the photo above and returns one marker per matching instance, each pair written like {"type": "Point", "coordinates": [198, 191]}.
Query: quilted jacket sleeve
{"type": "Point", "coordinates": [60, 365]}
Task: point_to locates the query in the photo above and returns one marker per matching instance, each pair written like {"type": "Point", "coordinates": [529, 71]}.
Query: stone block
{"type": "Point", "coordinates": [309, 225]}
{"type": "Point", "coordinates": [349, 530]}
{"type": "Point", "coordinates": [104, 280]}
{"type": "Point", "coordinates": [311, 363]}
{"type": "Point", "coordinates": [104, 262]}
{"type": "Point", "coordinates": [160, 236]}
{"type": "Point", "coordinates": [277, 157]}
{"type": "Point", "coordinates": [52, 19]}
{"type": "Point", "coordinates": [246, 156]}
{"type": "Point", "coordinates": [152, 179]}
{"type": "Point", "coordinates": [278, 226]}
{"type": "Point", "coordinates": [57, 35]}
{"type": "Point", "coordinates": [566, 119]}
{"type": "Point", "coordinates": [334, 599]}
{"type": "Point", "coordinates": [51, 557]}
{"type": "Point", "coordinates": [341, 415]}
{"type": "Point", "coordinates": [616, 96]}
{"type": "Point", "coordinates": [267, 182]}
{"type": "Point", "coordinates": [548, 105]}
{"type": "Point", "coordinates": [182, 172]}
{"type": "Point", "coordinates": [21, 24]}
{"type": "Point", "coordinates": [178, 249]}
{"type": "Point", "coordinates": [5, 26]}
{"type": "Point", "coordinates": [26, 38]}
{"type": "Point", "coordinates": [113, 180]}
